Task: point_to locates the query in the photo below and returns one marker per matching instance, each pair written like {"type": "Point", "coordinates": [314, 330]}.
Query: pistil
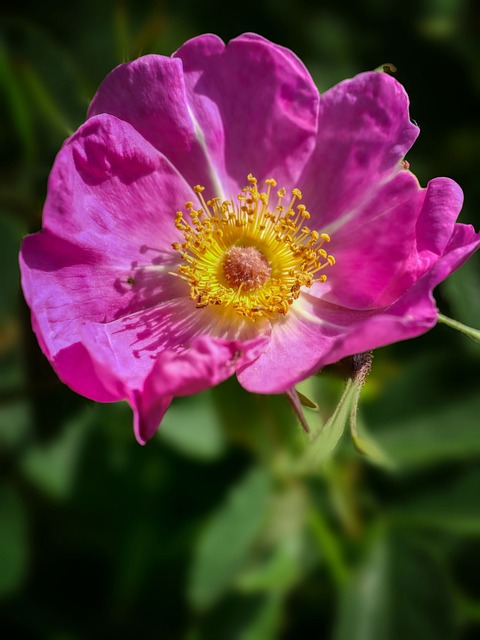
{"type": "Point", "coordinates": [246, 267]}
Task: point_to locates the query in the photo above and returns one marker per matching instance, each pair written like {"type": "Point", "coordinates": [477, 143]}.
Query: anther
{"type": "Point", "coordinates": [240, 253]}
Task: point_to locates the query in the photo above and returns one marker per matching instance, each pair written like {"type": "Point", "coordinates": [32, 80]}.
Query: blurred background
{"type": "Point", "coordinates": [213, 530]}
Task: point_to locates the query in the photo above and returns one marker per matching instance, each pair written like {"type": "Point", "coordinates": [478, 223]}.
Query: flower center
{"type": "Point", "coordinates": [246, 267]}
{"type": "Point", "coordinates": [248, 256]}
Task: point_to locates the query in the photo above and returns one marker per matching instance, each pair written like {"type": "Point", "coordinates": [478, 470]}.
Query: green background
{"type": "Point", "coordinates": [216, 529]}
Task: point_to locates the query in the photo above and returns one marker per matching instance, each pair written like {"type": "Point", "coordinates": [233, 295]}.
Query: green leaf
{"type": "Point", "coordinates": [13, 541]}
{"type": "Point", "coordinates": [266, 623]}
{"type": "Point", "coordinates": [15, 424]}
{"type": "Point", "coordinates": [365, 602]}
{"type": "Point", "coordinates": [192, 427]}
{"type": "Point", "coordinates": [329, 545]}
{"type": "Point", "coordinates": [53, 467]}
{"type": "Point", "coordinates": [327, 437]}
{"type": "Point", "coordinates": [286, 549]}
{"type": "Point", "coordinates": [454, 507]}
{"type": "Point", "coordinates": [225, 543]}
{"type": "Point", "coordinates": [398, 592]}
{"type": "Point", "coordinates": [362, 363]}
{"type": "Point", "coordinates": [307, 402]}
{"type": "Point", "coordinates": [372, 451]}
{"type": "Point", "coordinates": [426, 423]}
{"type": "Point", "coordinates": [253, 617]}
{"type": "Point", "coordinates": [296, 404]}
{"type": "Point", "coordinates": [278, 572]}
{"type": "Point", "coordinates": [445, 433]}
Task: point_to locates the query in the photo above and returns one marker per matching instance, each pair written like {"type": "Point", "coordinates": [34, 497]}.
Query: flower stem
{"type": "Point", "coordinates": [473, 334]}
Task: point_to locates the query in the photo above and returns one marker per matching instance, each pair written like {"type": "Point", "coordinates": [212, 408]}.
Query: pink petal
{"type": "Point", "coordinates": [207, 362]}
{"type": "Point", "coordinates": [108, 226]}
{"type": "Point", "coordinates": [316, 333]}
{"type": "Point", "coordinates": [146, 420]}
{"type": "Point", "coordinates": [68, 287]}
{"type": "Point", "coordinates": [435, 224]}
{"type": "Point", "coordinates": [255, 104]}
{"type": "Point", "coordinates": [105, 250]}
{"type": "Point", "coordinates": [132, 344]}
{"type": "Point", "coordinates": [295, 349]}
{"type": "Point", "coordinates": [364, 131]}
{"type": "Point", "coordinates": [392, 241]}
{"type": "Point", "coordinates": [386, 231]}
{"type": "Point", "coordinates": [416, 312]}
{"type": "Point", "coordinates": [75, 367]}
{"type": "Point", "coordinates": [111, 190]}
{"type": "Point", "coordinates": [149, 93]}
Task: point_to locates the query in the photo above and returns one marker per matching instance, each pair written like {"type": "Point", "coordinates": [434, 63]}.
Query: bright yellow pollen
{"type": "Point", "coordinates": [246, 256]}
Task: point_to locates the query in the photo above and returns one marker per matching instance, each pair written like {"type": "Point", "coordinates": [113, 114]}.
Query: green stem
{"type": "Point", "coordinates": [473, 334]}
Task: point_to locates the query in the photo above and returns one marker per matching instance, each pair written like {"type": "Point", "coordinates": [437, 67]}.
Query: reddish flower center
{"type": "Point", "coordinates": [246, 267]}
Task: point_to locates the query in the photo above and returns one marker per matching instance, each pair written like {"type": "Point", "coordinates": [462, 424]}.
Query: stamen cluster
{"type": "Point", "coordinates": [278, 238]}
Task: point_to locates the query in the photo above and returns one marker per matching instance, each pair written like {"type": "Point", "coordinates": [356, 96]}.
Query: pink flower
{"type": "Point", "coordinates": [144, 286]}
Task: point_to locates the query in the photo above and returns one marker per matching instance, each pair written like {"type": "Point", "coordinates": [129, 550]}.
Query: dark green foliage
{"type": "Point", "coordinates": [218, 529]}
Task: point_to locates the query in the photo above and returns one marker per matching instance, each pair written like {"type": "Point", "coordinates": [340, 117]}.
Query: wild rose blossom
{"type": "Point", "coordinates": [216, 215]}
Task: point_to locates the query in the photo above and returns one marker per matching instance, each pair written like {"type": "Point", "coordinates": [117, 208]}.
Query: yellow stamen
{"type": "Point", "coordinates": [242, 255]}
